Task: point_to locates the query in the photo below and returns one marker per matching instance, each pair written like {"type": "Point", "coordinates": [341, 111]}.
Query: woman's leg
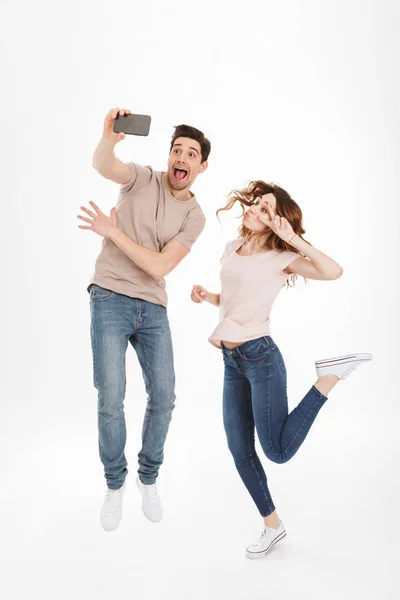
{"type": "Point", "coordinates": [281, 433]}
{"type": "Point", "coordinates": [239, 428]}
{"type": "Point", "coordinates": [326, 383]}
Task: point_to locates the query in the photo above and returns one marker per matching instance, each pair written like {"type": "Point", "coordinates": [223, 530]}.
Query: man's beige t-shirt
{"type": "Point", "coordinates": [149, 214]}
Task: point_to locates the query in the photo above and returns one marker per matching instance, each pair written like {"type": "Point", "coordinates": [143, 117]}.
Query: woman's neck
{"type": "Point", "coordinates": [252, 244]}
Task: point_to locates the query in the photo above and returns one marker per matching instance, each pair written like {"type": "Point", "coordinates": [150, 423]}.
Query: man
{"type": "Point", "coordinates": [153, 227]}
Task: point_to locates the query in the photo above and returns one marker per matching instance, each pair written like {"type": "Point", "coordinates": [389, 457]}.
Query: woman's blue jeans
{"type": "Point", "coordinates": [255, 397]}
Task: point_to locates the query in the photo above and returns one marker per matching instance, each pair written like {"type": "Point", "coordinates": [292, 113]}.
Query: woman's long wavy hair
{"type": "Point", "coordinates": [285, 207]}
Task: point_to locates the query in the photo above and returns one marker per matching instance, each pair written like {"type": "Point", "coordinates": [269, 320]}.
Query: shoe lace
{"type": "Point", "coordinates": [152, 494]}
{"type": "Point", "coordinates": [265, 532]}
{"type": "Point", "coordinates": [113, 500]}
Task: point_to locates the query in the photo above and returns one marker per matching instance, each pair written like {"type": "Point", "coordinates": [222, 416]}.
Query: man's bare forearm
{"type": "Point", "coordinates": [107, 164]}
{"type": "Point", "coordinates": [148, 260]}
{"type": "Point", "coordinates": [104, 156]}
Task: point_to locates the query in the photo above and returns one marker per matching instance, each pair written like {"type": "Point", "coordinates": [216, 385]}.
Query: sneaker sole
{"type": "Point", "coordinates": [342, 360]}
{"type": "Point", "coordinates": [255, 555]}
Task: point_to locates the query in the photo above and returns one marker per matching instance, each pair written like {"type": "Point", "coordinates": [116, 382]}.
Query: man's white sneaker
{"type": "Point", "coordinates": [151, 502]}
{"type": "Point", "coordinates": [111, 511]}
{"type": "Point", "coordinates": [268, 538]}
{"type": "Point", "coordinates": [341, 366]}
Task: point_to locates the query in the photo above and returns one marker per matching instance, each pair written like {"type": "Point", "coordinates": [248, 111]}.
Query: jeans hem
{"type": "Point", "coordinates": [152, 482]}
{"type": "Point", "coordinates": [268, 514]}
{"type": "Point", "coordinates": [320, 394]}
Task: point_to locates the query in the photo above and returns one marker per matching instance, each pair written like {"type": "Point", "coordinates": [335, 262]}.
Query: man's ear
{"type": "Point", "coordinates": [203, 167]}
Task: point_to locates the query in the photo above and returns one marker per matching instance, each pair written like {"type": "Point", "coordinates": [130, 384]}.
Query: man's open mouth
{"type": "Point", "coordinates": [180, 174]}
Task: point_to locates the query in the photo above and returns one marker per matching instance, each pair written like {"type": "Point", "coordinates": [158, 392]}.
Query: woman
{"type": "Point", "coordinates": [269, 253]}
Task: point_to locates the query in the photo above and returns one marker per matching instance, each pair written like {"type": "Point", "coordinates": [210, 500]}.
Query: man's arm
{"type": "Point", "coordinates": [104, 160]}
{"type": "Point", "coordinates": [159, 264]}
{"type": "Point", "coordinates": [156, 264]}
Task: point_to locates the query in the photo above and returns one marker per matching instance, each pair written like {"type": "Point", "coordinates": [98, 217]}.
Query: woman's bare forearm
{"type": "Point", "coordinates": [325, 265]}
{"type": "Point", "coordinates": [213, 298]}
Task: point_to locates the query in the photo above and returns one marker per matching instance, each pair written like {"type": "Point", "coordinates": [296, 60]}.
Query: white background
{"type": "Point", "coordinates": [305, 94]}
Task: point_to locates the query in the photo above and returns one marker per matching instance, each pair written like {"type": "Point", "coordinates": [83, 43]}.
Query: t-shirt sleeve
{"type": "Point", "coordinates": [230, 248]}
{"type": "Point", "coordinates": [225, 252]}
{"type": "Point", "coordinates": [191, 230]}
{"type": "Point", "coordinates": [285, 259]}
{"type": "Point", "coordinates": [140, 177]}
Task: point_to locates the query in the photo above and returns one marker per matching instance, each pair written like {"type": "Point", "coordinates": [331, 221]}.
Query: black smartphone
{"type": "Point", "coordinates": [132, 124]}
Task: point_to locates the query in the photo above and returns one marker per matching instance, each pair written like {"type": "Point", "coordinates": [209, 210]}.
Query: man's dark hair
{"type": "Point", "coordinates": [187, 131]}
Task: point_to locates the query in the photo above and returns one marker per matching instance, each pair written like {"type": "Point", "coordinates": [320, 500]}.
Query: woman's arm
{"type": "Point", "coordinates": [200, 294]}
{"type": "Point", "coordinates": [317, 265]}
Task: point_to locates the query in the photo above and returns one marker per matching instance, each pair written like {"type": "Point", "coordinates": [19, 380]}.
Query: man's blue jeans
{"type": "Point", "coordinates": [117, 320]}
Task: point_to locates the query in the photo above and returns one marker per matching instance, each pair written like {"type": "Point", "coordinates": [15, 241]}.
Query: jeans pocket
{"type": "Point", "coordinates": [98, 293]}
{"type": "Point", "coordinates": [279, 358]}
{"type": "Point", "coordinates": [256, 350]}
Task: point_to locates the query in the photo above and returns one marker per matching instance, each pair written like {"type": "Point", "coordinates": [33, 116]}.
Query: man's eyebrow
{"type": "Point", "coordinates": [190, 147]}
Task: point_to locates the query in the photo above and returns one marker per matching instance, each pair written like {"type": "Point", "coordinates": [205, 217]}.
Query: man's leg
{"type": "Point", "coordinates": [111, 327]}
{"type": "Point", "coordinates": [153, 345]}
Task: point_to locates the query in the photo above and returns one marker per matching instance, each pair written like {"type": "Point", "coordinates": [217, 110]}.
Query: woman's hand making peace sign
{"type": "Point", "coordinates": [279, 225]}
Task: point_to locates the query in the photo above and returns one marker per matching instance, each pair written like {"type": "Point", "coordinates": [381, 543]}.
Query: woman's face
{"type": "Point", "coordinates": [260, 206]}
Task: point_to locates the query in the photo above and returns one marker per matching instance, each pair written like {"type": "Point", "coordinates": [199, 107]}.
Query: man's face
{"type": "Point", "coordinates": [184, 163]}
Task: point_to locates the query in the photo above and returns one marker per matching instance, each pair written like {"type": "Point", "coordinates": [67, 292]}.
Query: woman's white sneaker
{"type": "Point", "coordinates": [341, 366]}
{"type": "Point", "coordinates": [111, 511]}
{"type": "Point", "coordinates": [151, 502]}
{"type": "Point", "coordinates": [268, 538]}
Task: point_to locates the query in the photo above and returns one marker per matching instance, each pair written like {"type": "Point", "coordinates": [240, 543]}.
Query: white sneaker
{"type": "Point", "coordinates": [268, 538]}
{"type": "Point", "coordinates": [341, 366]}
{"type": "Point", "coordinates": [151, 502]}
{"type": "Point", "coordinates": [111, 511]}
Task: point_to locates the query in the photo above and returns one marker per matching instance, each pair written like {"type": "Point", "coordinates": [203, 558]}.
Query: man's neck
{"type": "Point", "coordinates": [181, 195]}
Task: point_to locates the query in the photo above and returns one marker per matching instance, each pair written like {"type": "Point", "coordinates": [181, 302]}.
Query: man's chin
{"type": "Point", "coordinates": [178, 187]}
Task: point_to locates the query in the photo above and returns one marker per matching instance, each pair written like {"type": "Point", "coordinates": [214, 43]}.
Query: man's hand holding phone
{"type": "Point", "coordinates": [118, 123]}
{"type": "Point", "coordinates": [108, 130]}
